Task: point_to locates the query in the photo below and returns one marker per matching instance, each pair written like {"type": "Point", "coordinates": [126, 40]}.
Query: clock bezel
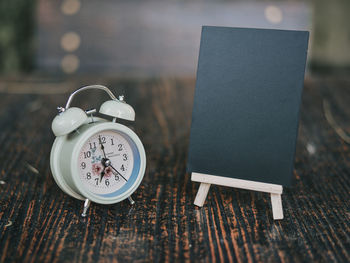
{"type": "Point", "coordinates": [104, 126]}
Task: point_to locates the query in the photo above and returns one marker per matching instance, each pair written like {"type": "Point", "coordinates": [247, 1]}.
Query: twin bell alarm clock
{"type": "Point", "coordinates": [97, 159]}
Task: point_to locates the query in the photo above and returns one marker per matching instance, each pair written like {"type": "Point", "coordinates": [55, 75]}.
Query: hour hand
{"type": "Point", "coordinates": [102, 174]}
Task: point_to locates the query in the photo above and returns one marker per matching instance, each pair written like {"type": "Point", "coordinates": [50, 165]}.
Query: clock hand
{"type": "Point", "coordinates": [102, 147]}
{"type": "Point", "coordinates": [103, 162]}
{"type": "Point", "coordinates": [117, 172]}
{"type": "Point", "coordinates": [102, 174]}
{"type": "Point", "coordinates": [105, 159]}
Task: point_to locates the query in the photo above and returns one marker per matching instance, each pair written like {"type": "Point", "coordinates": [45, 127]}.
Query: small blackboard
{"type": "Point", "coordinates": [247, 101]}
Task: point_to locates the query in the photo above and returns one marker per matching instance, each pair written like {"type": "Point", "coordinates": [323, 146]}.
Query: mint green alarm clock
{"type": "Point", "coordinates": [97, 159]}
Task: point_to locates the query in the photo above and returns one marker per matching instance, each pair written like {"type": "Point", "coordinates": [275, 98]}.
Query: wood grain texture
{"type": "Point", "coordinates": [39, 223]}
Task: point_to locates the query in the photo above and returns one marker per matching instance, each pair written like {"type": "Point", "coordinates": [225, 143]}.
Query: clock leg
{"type": "Point", "coordinates": [86, 207]}
{"type": "Point", "coordinates": [131, 200]}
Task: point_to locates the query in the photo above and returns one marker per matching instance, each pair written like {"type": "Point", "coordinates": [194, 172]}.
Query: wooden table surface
{"type": "Point", "coordinates": [39, 223]}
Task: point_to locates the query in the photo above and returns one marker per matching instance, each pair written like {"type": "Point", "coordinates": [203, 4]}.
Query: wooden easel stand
{"type": "Point", "coordinates": [206, 180]}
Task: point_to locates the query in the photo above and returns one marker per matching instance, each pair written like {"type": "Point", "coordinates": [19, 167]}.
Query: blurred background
{"type": "Point", "coordinates": [148, 50]}
{"type": "Point", "coordinates": [153, 38]}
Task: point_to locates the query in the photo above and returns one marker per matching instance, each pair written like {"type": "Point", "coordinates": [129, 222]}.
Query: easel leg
{"type": "Point", "coordinates": [202, 194]}
{"type": "Point", "coordinates": [277, 210]}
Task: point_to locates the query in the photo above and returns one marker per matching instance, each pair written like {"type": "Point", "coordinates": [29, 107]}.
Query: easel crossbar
{"type": "Point", "coordinates": [237, 183]}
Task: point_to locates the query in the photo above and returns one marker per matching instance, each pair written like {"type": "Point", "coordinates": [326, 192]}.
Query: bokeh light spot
{"type": "Point", "coordinates": [70, 7]}
{"type": "Point", "coordinates": [273, 14]}
{"type": "Point", "coordinates": [70, 63]}
{"type": "Point", "coordinates": [70, 41]}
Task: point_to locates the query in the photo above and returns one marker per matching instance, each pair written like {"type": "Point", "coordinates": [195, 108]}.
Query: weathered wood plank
{"type": "Point", "coordinates": [38, 223]}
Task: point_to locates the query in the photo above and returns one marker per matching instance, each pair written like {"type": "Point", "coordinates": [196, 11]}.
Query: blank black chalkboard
{"type": "Point", "coordinates": [246, 106]}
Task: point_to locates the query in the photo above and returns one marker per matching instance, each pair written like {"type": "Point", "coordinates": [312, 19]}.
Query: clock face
{"type": "Point", "coordinates": [106, 162]}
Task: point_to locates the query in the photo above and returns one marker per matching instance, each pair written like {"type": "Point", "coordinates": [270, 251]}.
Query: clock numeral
{"type": "Point", "coordinates": [122, 168]}
{"type": "Point", "coordinates": [125, 157]}
{"type": "Point", "coordinates": [96, 179]}
{"type": "Point", "coordinates": [87, 154]}
{"type": "Point", "coordinates": [116, 177]}
{"type": "Point", "coordinates": [120, 147]}
{"type": "Point", "coordinates": [83, 165]}
{"type": "Point", "coordinates": [88, 176]}
{"type": "Point", "coordinates": [103, 140]}
{"type": "Point", "coordinates": [107, 182]}
{"type": "Point", "coordinates": [112, 142]}
{"type": "Point", "coordinates": [92, 145]}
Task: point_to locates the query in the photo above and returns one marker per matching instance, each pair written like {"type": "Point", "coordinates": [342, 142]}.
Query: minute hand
{"type": "Point", "coordinates": [102, 147]}
{"type": "Point", "coordinates": [118, 172]}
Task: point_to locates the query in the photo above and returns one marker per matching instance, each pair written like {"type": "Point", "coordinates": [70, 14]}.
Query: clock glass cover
{"type": "Point", "coordinates": [109, 163]}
